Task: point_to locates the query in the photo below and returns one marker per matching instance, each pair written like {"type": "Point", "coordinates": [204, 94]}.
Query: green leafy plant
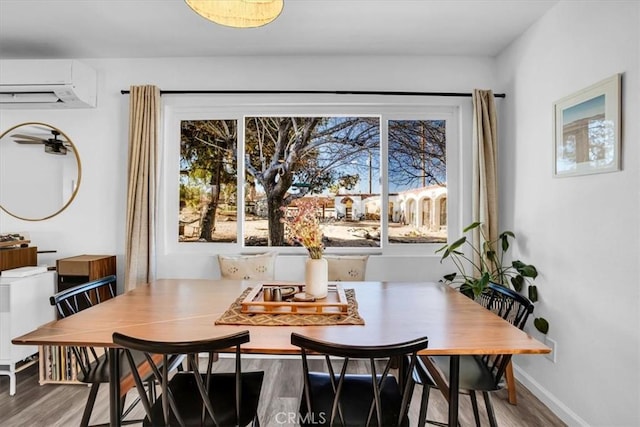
{"type": "Point", "coordinates": [474, 276]}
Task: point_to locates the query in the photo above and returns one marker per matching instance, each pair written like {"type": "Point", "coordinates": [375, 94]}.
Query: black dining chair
{"type": "Point", "coordinates": [343, 398]}
{"type": "Point", "coordinates": [192, 397]}
{"type": "Point", "coordinates": [93, 363]}
{"type": "Point", "coordinates": [478, 373]}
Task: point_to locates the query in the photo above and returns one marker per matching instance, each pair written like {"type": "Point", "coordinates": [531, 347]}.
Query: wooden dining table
{"type": "Point", "coordinates": [186, 309]}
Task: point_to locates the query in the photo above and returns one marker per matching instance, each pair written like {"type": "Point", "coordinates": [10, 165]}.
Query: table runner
{"type": "Point", "coordinates": [235, 316]}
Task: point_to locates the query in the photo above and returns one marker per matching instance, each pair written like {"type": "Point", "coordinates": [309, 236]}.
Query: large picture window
{"type": "Point", "coordinates": [379, 180]}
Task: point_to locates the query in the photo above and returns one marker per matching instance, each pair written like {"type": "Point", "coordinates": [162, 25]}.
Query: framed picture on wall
{"type": "Point", "coordinates": [587, 130]}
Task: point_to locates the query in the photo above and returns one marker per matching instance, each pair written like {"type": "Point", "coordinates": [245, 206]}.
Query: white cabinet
{"type": "Point", "coordinates": [24, 305]}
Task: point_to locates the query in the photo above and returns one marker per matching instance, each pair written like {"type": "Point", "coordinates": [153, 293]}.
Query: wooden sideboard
{"type": "Point", "coordinates": [18, 257]}
{"type": "Point", "coordinates": [83, 268]}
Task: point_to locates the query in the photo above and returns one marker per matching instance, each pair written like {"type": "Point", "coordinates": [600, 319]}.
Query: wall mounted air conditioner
{"type": "Point", "coordinates": [46, 84]}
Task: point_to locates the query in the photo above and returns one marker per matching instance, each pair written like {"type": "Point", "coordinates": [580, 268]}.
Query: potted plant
{"type": "Point", "coordinates": [490, 265]}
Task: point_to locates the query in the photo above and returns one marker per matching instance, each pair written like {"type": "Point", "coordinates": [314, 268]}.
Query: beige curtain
{"type": "Point", "coordinates": [485, 166]}
{"type": "Point", "coordinates": [144, 117]}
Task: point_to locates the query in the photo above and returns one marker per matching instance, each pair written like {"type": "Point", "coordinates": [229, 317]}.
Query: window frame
{"type": "Point", "coordinates": [238, 107]}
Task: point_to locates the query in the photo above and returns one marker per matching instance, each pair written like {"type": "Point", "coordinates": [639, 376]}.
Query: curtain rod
{"type": "Point", "coordinates": [332, 92]}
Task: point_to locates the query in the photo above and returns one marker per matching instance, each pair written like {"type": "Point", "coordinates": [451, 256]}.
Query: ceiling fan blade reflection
{"type": "Point", "coordinates": [22, 141]}
{"type": "Point", "coordinates": [29, 137]}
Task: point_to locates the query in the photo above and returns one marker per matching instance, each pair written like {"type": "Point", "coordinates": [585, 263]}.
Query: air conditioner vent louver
{"type": "Point", "coordinates": [52, 83]}
{"type": "Point", "coordinates": [28, 97]}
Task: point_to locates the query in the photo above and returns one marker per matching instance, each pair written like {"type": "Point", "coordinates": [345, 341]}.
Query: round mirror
{"type": "Point", "coordinates": [39, 171]}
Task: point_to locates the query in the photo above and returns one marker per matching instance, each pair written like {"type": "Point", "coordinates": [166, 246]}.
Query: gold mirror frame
{"type": "Point", "coordinates": [5, 137]}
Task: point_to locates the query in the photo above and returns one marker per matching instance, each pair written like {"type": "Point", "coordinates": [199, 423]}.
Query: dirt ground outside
{"type": "Point", "coordinates": [337, 233]}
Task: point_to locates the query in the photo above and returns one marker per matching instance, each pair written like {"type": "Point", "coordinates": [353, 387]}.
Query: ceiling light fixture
{"type": "Point", "coordinates": [238, 13]}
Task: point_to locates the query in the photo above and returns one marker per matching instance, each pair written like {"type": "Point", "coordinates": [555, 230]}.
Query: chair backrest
{"type": "Point", "coordinates": [512, 307]}
{"type": "Point", "coordinates": [506, 303]}
{"type": "Point", "coordinates": [386, 354]}
{"type": "Point", "coordinates": [347, 267]}
{"type": "Point", "coordinates": [248, 267]}
{"type": "Point", "coordinates": [192, 349]}
{"type": "Point", "coordinates": [80, 297]}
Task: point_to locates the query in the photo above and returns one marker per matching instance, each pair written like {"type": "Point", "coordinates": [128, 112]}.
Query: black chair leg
{"type": "Point", "coordinates": [88, 408]}
{"type": "Point", "coordinates": [424, 403]}
{"type": "Point", "coordinates": [123, 400]}
{"type": "Point", "coordinates": [474, 405]}
{"type": "Point", "coordinates": [151, 390]}
{"type": "Point", "coordinates": [490, 412]}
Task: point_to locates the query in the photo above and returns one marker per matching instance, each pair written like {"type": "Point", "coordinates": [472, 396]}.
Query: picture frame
{"type": "Point", "coordinates": [587, 130]}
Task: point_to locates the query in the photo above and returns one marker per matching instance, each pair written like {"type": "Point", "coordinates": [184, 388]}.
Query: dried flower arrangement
{"type": "Point", "coordinates": [303, 227]}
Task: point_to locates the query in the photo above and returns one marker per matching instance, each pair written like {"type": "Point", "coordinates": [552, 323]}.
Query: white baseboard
{"type": "Point", "coordinates": [546, 397]}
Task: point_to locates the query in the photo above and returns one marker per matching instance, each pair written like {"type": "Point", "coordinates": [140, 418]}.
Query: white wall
{"type": "Point", "coordinates": [94, 223]}
{"type": "Point", "coordinates": [581, 232]}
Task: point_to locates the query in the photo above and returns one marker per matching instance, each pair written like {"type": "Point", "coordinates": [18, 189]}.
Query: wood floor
{"type": "Point", "coordinates": [62, 405]}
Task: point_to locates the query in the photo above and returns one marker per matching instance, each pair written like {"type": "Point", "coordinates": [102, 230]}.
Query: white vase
{"type": "Point", "coordinates": [316, 277]}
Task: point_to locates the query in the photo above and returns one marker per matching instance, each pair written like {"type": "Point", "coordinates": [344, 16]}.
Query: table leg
{"type": "Point", "coordinates": [454, 385]}
{"type": "Point", "coordinates": [511, 384]}
{"type": "Point", "coordinates": [114, 387]}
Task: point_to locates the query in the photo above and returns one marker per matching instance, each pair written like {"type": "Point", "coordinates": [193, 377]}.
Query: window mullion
{"type": "Point", "coordinates": [384, 179]}
{"type": "Point", "coordinates": [240, 179]}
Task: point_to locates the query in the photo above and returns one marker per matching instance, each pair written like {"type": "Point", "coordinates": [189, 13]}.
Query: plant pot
{"type": "Point", "coordinates": [316, 277]}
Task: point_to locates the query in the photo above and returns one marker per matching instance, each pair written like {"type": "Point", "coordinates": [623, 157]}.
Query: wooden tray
{"type": "Point", "coordinates": [334, 303]}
